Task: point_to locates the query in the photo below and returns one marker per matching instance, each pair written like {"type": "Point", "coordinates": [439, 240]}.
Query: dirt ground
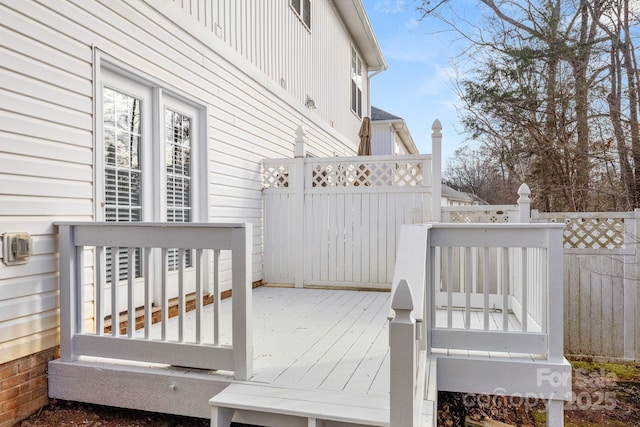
{"type": "Point", "coordinates": [604, 394]}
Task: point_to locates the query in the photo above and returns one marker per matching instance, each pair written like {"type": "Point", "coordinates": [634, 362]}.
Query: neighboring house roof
{"type": "Point", "coordinates": [355, 18]}
{"type": "Point", "coordinates": [460, 196]}
{"type": "Point", "coordinates": [379, 116]}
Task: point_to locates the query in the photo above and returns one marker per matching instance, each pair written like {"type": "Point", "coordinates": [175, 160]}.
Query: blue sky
{"type": "Point", "coordinates": [418, 85]}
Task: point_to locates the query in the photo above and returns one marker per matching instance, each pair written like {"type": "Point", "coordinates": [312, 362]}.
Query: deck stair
{"type": "Point", "coordinates": [269, 405]}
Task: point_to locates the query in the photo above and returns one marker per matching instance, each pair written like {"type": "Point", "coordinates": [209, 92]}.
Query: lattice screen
{"type": "Point", "coordinates": [275, 176]}
{"type": "Point", "coordinates": [482, 217]}
{"type": "Point", "coordinates": [592, 233]}
{"type": "Point", "coordinates": [374, 174]}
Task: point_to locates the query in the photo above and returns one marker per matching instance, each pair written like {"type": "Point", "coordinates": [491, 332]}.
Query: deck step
{"type": "Point", "coordinates": [307, 405]}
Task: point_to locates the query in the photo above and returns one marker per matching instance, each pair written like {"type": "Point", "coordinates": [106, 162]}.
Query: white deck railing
{"type": "Point", "coordinates": [87, 297]}
{"type": "Point", "coordinates": [500, 286]}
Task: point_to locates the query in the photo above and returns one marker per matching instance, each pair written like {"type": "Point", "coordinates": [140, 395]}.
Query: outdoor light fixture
{"type": "Point", "coordinates": [310, 103]}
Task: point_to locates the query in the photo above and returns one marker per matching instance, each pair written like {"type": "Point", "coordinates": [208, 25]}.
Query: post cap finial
{"type": "Point", "coordinates": [402, 297]}
{"type": "Point", "coordinates": [436, 128]}
{"type": "Point", "coordinates": [524, 190]}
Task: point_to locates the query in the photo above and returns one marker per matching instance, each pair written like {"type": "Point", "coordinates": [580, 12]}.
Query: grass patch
{"type": "Point", "coordinates": [623, 371]}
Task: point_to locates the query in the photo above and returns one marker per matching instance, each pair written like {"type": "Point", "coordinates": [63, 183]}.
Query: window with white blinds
{"type": "Point", "coordinates": [178, 175]}
{"type": "Point", "coordinates": [148, 136]}
{"type": "Point", "coordinates": [123, 176]}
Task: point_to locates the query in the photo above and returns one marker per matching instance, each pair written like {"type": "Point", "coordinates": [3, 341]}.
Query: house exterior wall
{"type": "Point", "coordinates": [47, 124]}
{"type": "Point", "coordinates": [305, 62]}
{"type": "Point", "coordinates": [382, 139]}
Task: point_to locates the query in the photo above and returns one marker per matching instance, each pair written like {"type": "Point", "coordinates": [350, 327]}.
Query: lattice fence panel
{"type": "Point", "coordinates": [275, 176]}
{"type": "Point", "coordinates": [592, 233]}
{"type": "Point", "coordinates": [482, 217]}
{"type": "Point", "coordinates": [370, 174]}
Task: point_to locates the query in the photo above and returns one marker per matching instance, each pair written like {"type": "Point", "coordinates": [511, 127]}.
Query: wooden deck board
{"type": "Point", "coordinates": [310, 338]}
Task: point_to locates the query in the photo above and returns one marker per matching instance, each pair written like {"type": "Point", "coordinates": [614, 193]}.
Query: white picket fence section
{"type": "Point", "coordinates": [83, 287]}
{"type": "Point", "coordinates": [601, 282]}
{"type": "Point", "coordinates": [336, 221]}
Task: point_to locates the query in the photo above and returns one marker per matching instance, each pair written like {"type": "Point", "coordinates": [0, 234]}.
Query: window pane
{"type": "Point", "coordinates": [354, 95]}
{"type": "Point", "coordinates": [178, 175]}
{"type": "Point", "coordinates": [306, 13]}
{"type": "Point", "coordinates": [296, 5]}
{"type": "Point", "coordinates": [122, 175]}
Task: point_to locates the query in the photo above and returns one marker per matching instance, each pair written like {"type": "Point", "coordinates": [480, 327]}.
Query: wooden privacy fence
{"type": "Point", "coordinates": [601, 282]}
{"type": "Point", "coordinates": [336, 221]}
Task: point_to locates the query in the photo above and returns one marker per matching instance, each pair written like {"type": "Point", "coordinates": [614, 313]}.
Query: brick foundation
{"type": "Point", "coordinates": [23, 386]}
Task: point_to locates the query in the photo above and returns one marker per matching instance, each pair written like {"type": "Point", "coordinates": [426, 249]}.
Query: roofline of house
{"type": "Point", "coordinates": [357, 22]}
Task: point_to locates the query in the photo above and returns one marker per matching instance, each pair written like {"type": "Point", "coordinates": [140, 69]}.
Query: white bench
{"type": "Point", "coordinates": [309, 405]}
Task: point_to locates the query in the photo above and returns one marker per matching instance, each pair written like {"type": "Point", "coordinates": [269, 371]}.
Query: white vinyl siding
{"type": "Point", "coordinates": [270, 36]}
{"type": "Point", "coordinates": [50, 160]}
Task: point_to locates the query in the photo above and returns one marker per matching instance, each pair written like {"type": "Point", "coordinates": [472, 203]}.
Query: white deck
{"type": "Point", "coordinates": [311, 338]}
{"type": "Point", "coordinates": [334, 341]}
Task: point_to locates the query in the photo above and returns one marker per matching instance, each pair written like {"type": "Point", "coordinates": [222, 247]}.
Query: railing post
{"type": "Point", "coordinates": [241, 301]}
{"type": "Point", "coordinates": [630, 274]}
{"type": "Point", "coordinates": [68, 284]}
{"type": "Point", "coordinates": [402, 344]}
{"type": "Point", "coordinates": [524, 203]}
{"type": "Point", "coordinates": [555, 323]}
{"type": "Point", "coordinates": [298, 199]}
{"type": "Point", "coordinates": [436, 170]}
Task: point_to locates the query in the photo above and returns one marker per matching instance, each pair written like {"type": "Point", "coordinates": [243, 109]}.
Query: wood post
{"type": "Point", "coordinates": [67, 285]}
{"type": "Point", "coordinates": [298, 188]}
{"type": "Point", "coordinates": [402, 344]}
{"type": "Point", "coordinates": [436, 170]}
{"type": "Point", "coordinates": [631, 290]}
{"type": "Point", "coordinates": [242, 302]}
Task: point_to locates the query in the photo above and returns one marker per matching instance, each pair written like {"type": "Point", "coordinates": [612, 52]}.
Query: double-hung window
{"type": "Point", "coordinates": [303, 9]}
{"type": "Point", "coordinates": [356, 83]}
{"type": "Point", "coordinates": [150, 158]}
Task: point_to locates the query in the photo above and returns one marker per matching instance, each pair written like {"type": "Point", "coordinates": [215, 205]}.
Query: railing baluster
{"type": "Point", "coordinates": [80, 289]}
{"type": "Point", "coordinates": [216, 297]}
{"type": "Point", "coordinates": [181, 295]}
{"type": "Point", "coordinates": [525, 289]}
{"type": "Point", "coordinates": [198, 257]}
{"type": "Point", "coordinates": [148, 298]}
{"type": "Point", "coordinates": [131, 305]}
{"type": "Point", "coordinates": [544, 289]}
{"type": "Point", "coordinates": [100, 289]}
{"type": "Point", "coordinates": [485, 286]}
{"type": "Point", "coordinates": [505, 288]}
{"type": "Point", "coordinates": [467, 288]}
{"type": "Point", "coordinates": [474, 271]}
{"type": "Point", "coordinates": [164, 297]}
{"type": "Point", "coordinates": [449, 287]}
{"type": "Point", "coordinates": [115, 292]}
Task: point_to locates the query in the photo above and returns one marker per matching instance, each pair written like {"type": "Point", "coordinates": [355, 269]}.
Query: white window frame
{"type": "Point", "coordinates": [302, 8]}
{"type": "Point", "coordinates": [356, 78]}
